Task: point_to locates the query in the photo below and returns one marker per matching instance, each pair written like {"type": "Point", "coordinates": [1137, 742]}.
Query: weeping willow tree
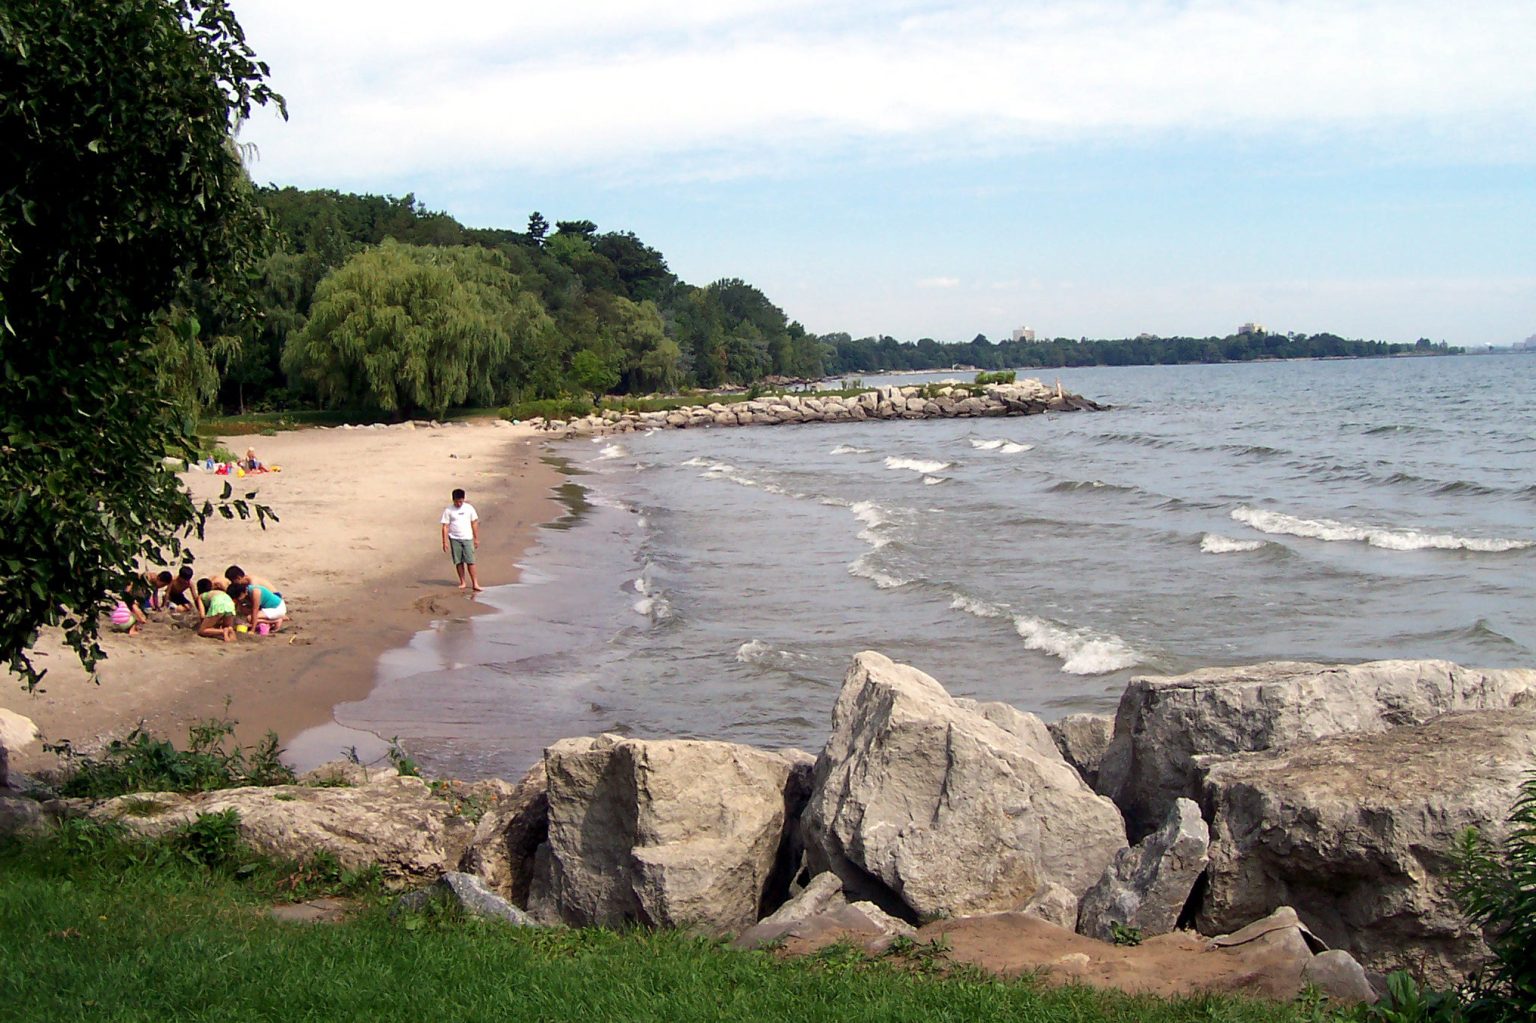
{"type": "Point", "coordinates": [403, 330]}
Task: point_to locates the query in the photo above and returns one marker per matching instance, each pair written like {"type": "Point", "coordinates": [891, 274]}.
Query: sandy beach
{"type": "Point", "coordinates": [357, 555]}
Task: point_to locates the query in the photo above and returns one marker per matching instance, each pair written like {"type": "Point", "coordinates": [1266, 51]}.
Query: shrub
{"type": "Point", "coordinates": [568, 407]}
{"type": "Point", "coordinates": [143, 762]}
{"type": "Point", "coordinates": [212, 840]}
{"type": "Point", "coordinates": [1496, 888]}
{"type": "Point", "coordinates": [1004, 376]}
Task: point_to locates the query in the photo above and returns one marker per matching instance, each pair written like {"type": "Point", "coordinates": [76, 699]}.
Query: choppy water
{"type": "Point", "coordinates": [715, 583]}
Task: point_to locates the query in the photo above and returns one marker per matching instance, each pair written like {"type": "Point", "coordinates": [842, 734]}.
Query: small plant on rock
{"type": "Point", "coordinates": [1496, 887]}
{"type": "Point", "coordinates": [1122, 934]}
{"type": "Point", "coordinates": [212, 840]}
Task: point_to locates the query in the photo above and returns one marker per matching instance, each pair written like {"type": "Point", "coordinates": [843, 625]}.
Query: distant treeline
{"type": "Point", "coordinates": [376, 303]}
{"type": "Point", "coordinates": [865, 355]}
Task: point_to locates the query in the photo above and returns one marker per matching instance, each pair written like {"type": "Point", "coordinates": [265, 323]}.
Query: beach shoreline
{"type": "Point", "coordinates": [356, 552]}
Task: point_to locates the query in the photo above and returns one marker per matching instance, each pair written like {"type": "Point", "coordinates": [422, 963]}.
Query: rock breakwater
{"type": "Point", "coordinates": [1027, 397]}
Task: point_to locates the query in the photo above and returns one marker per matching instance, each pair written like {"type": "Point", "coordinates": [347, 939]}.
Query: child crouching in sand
{"type": "Point", "coordinates": [127, 618]}
{"type": "Point", "coordinates": [218, 612]}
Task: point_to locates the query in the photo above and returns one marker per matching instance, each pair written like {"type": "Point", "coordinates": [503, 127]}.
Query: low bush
{"type": "Point", "coordinates": [1004, 376]}
{"type": "Point", "coordinates": [569, 407]}
{"type": "Point", "coordinates": [143, 762]}
{"type": "Point", "coordinates": [1496, 887]}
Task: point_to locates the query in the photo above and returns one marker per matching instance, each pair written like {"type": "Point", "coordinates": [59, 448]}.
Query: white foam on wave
{"type": "Point", "coordinates": [849, 449]}
{"type": "Point", "coordinates": [1214, 543]}
{"type": "Point", "coordinates": [654, 606]}
{"type": "Point", "coordinates": [755, 651]}
{"type": "Point", "coordinates": [863, 567]}
{"type": "Point", "coordinates": [873, 516]}
{"type": "Point", "coordinates": [874, 519]}
{"type": "Point", "coordinates": [1007, 447]}
{"type": "Point", "coordinates": [916, 465]}
{"type": "Point", "coordinates": [613, 451]}
{"type": "Point", "coordinates": [1376, 536]}
{"type": "Point", "coordinates": [730, 473]}
{"type": "Point", "coordinates": [973, 606]}
{"type": "Point", "coordinates": [1082, 652]}
{"type": "Point", "coordinates": [752, 650]}
{"type": "Point", "coordinates": [933, 481]}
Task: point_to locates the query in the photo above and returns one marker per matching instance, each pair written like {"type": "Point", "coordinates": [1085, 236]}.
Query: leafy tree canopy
{"type": "Point", "coordinates": [404, 329]}
{"type": "Point", "coordinates": [121, 189]}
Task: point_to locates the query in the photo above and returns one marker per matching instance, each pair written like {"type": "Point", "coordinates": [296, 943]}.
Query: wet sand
{"type": "Point", "coordinates": [357, 555]}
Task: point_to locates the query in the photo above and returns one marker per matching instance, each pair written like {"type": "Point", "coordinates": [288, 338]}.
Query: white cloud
{"type": "Point", "coordinates": [939, 282]}
{"type": "Point", "coordinates": [705, 89]}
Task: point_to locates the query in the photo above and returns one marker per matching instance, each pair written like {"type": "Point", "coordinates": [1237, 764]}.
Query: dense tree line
{"type": "Point", "coordinates": [374, 302]}
{"type": "Point", "coordinates": [846, 355]}
{"type": "Point", "coordinates": [377, 303]}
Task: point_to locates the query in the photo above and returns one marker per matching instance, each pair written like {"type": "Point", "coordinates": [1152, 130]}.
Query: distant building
{"type": "Point", "coordinates": [1024, 334]}
{"type": "Point", "coordinates": [1528, 345]}
{"type": "Point", "coordinates": [1252, 328]}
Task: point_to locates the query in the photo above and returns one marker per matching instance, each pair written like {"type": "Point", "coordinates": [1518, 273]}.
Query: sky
{"type": "Point", "coordinates": [1089, 168]}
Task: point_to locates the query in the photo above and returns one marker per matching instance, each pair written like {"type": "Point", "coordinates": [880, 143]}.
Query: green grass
{"type": "Point", "coordinates": [273, 422]}
{"type": "Point", "coordinates": [93, 933]}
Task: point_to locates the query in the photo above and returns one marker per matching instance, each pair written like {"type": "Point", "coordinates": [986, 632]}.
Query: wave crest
{"type": "Point", "coordinates": [1007, 447]}
{"type": "Point", "coordinates": [1214, 543]}
{"type": "Point", "coordinates": [1082, 651]}
{"type": "Point", "coordinates": [1376, 536]}
{"type": "Point", "coordinates": [916, 465]}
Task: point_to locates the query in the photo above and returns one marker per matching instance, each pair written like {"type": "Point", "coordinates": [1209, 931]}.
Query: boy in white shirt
{"type": "Point", "coordinates": [461, 536]}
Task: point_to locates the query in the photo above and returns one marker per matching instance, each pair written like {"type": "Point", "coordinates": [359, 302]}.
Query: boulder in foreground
{"type": "Point", "coordinates": [1357, 833]}
{"type": "Point", "coordinates": [667, 833]}
{"type": "Point", "coordinates": [398, 823]}
{"type": "Point", "coordinates": [945, 806]}
{"type": "Point", "coordinates": [1163, 723]}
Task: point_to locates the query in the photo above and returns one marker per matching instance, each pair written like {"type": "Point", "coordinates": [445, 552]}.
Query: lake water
{"type": "Point", "coordinates": [715, 583]}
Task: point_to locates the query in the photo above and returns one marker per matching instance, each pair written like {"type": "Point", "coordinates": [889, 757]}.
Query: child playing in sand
{"type": "Point", "coordinates": [180, 595]}
{"type": "Point", "coordinates": [218, 612]}
{"type": "Point", "coordinates": [261, 603]}
{"type": "Point", "coordinates": [126, 618]}
{"type": "Point", "coordinates": [250, 463]}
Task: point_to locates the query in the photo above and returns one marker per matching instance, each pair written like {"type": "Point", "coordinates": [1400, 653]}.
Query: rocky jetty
{"type": "Point", "coordinates": [1284, 807]}
{"type": "Point", "coordinates": [927, 401]}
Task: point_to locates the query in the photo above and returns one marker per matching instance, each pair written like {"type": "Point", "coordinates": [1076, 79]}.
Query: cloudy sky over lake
{"type": "Point", "coordinates": [941, 169]}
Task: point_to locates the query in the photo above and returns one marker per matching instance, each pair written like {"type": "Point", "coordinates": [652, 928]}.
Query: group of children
{"type": "Point", "coordinates": [225, 605]}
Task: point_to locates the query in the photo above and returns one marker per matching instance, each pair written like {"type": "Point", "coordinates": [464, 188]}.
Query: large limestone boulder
{"type": "Point", "coordinates": [1148, 884]}
{"type": "Point", "coordinates": [17, 733]}
{"type": "Point", "coordinates": [1164, 722]}
{"type": "Point", "coordinates": [1357, 831]}
{"type": "Point", "coordinates": [675, 833]}
{"type": "Point", "coordinates": [1082, 739]}
{"type": "Point", "coordinates": [398, 823]}
{"type": "Point", "coordinates": [507, 838]}
{"type": "Point", "coordinates": [948, 807]}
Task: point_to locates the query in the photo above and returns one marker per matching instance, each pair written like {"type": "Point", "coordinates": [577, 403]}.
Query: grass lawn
{"type": "Point", "coordinates": [94, 928]}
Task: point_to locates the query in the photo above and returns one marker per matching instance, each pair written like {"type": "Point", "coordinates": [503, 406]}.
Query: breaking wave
{"type": "Point", "coordinates": [849, 449]}
{"type": "Point", "coordinates": [1081, 651]}
{"type": "Point", "coordinates": [916, 465]}
{"type": "Point", "coordinates": [1214, 543]}
{"type": "Point", "coordinates": [1377, 536]}
{"type": "Point", "coordinates": [1007, 447]}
